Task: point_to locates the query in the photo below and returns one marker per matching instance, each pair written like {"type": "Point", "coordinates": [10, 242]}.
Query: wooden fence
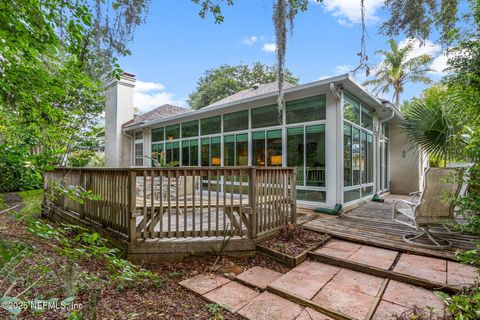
{"type": "Point", "coordinates": [180, 203]}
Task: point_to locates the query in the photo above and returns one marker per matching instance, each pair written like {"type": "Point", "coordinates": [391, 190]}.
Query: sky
{"type": "Point", "coordinates": [172, 50]}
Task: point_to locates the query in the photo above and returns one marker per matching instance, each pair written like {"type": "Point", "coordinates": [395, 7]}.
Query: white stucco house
{"type": "Point", "coordinates": [345, 143]}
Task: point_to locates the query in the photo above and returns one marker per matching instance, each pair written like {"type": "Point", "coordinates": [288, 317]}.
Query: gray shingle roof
{"type": "Point", "coordinates": [250, 93]}
{"type": "Point", "coordinates": [164, 111]}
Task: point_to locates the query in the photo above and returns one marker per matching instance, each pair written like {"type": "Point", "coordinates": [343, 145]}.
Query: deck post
{"type": "Point", "coordinates": [132, 204]}
{"type": "Point", "coordinates": [293, 196]}
{"type": "Point", "coordinates": [252, 198]}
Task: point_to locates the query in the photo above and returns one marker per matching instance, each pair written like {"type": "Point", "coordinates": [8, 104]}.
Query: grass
{"type": "Point", "coordinates": [32, 201]}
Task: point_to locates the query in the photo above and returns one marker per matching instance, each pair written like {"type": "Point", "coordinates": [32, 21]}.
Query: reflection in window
{"type": "Point", "coordinates": [139, 154]}
{"type": "Point", "coordinates": [190, 129]}
{"type": "Point", "coordinates": [351, 110]}
{"type": "Point", "coordinates": [173, 152]}
{"type": "Point", "coordinates": [295, 152]}
{"type": "Point", "coordinates": [369, 158]}
{"type": "Point", "coordinates": [274, 147]}
{"type": "Point", "coordinates": [315, 155]}
{"type": "Point", "coordinates": [157, 134]}
{"type": "Point", "coordinates": [205, 152]}
{"type": "Point", "coordinates": [229, 150]}
{"type": "Point", "coordinates": [367, 118]}
{"type": "Point", "coordinates": [258, 148]}
{"type": "Point", "coordinates": [158, 156]}
{"type": "Point", "coordinates": [172, 132]}
{"type": "Point", "coordinates": [215, 150]}
{"type": "Point", "coordinates": [242, 149]}
{"type": "Point", "coordinates": [363, 157]}
{"type": "Point", "coordinates": [266, 116]}
{"type": "Point", "coordinates": [307, 109]}
{"type": "Point", "coordinates": [210, 125]}
{"type": "Point", "coordinates": [356, 156]}
{"type": "Point", "coordinates": [235, 121]}
{"type": "Point", "coordinates": [190, 153]}
{"type": "Point", "coordinates": [311, 195]}
{"type": "Point", "coordinates": [351, 195]}
{"type": "Point", "coordinates": [347, 155]}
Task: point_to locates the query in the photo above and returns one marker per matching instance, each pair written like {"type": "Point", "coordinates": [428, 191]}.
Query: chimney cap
{"type": "Point", "coordinates": [128, 74]}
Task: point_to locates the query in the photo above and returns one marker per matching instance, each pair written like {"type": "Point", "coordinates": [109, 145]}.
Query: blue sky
{"type": "Point", "coordinates": [175, 46]}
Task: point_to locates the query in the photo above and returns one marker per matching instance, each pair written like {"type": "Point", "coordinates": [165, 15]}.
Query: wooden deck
{"type": "Point", "coordinates": [370, 223]}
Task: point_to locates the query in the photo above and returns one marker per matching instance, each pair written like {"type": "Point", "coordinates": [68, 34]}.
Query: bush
{"type": "Point", "coordinates": [18, 169]}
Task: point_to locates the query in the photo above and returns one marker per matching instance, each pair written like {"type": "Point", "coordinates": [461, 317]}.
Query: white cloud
{"type": "Point", "coordinates": [149, 95]}
{"type": "Point", "coordinates": [269, 47]}
{"type": "Point", "coordinates": [250, 41]}
{"type": "Point", "coordinates": [439, 63]}
{"type": "Point", "coordinates": [348, 11]}
{"type": "Point", "coordinates": [343, 68]}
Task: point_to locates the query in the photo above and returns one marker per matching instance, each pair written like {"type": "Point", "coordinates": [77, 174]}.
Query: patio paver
{"type": "Point", "coordinates": [374, 257]}
{"type": "Point", "coordinates": [232, 296]}
{"type": "Point", "coordinates": [460, 274]}
{"type": "Point", "coordinates": [204, 283]}
{"type": "Point", "coordinates": [339, 249]}
{"type": "Point", "coordinates": [431, 269]}
{"type": "Point", "coordinates": [268, 306]}
{"type": "Point", "coordinates": [310, 314]}
{"type": "Point", "coordinates": [387, 310]}
{"type": "Point", "coordinates": [350, 292]}
{"type": "Point", "coordinates": [306, 279]}
{"type": "Point", "coordinates": [408, 296]}
{"type": "Point", "coordinates": [259, 277]}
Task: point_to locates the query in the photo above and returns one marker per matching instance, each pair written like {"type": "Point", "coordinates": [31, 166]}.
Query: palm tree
{"type": "Point", "coordinates": [398, 68]}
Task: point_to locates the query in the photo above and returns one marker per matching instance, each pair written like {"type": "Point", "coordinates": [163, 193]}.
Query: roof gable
{"type": "Point", "coordinates": [162, 112]}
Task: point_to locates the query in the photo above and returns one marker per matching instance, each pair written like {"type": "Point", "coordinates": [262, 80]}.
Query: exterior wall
{"type": "Point", "coordinates": [118, 110]}
{"type": "Point", "coordinates": [404, 164]}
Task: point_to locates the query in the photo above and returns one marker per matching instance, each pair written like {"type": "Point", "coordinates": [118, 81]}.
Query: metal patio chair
{"type": "Point", "coordinates": [435, 207]}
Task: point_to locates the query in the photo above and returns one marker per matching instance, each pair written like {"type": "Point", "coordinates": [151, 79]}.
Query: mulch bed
{"type": "Point", "coordinates": [148, 301]}
{"type": "Point", "coordinates": [293, 240]}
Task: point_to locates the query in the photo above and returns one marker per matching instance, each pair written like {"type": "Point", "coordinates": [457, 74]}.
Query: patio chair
{"type": "Point", "coordinates": [435, 207]}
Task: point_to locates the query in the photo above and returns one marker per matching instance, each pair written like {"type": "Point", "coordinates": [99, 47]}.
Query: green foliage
{"type": "Point", "coordinates": [399, 68]}
{"type": "Point", "coordinates": [32, 201]}
{"type": "Point", "coordinates": [216, 311]}
{"type": "Point", "coordinates": [226, 80]}
{"type": "Point", "coordinates": [463, 306]}
{"type": "Point", "coordinates": [434, 124]}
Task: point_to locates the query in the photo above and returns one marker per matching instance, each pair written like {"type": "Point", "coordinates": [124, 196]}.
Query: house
{"type": "Point", "coordinates": [345, 144]}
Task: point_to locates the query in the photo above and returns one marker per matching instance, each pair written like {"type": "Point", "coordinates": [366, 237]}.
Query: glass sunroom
{"type": "Point", "coordinates": [332, 131]}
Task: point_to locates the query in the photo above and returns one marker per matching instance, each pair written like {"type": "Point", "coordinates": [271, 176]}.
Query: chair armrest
{"type": "Point", "coordinates": [415, 193]}
{"type": "Point", "coordinates": [412, 205]}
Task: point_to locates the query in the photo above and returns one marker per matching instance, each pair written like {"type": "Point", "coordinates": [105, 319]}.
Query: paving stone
{"type": "Point", "coordinates": [387, 311]}
{"type": "Point", "coordinates": [349, 280]}
{"type": "Point", "coordinates": [431, 269]}
{"type": "Point", "coordinates": [232, 296]}
{"type": "Point", "coordinates": [306, 279]}
{"type": "Point", "coordinates": [310, 314]}
{"type": "Point", "coordinates": [204, 283]}
{"type": "Point", "coordinates": [375, 257]}
{"type": "Point", "coordinates": [268, 306]}
{"type": "Point", "coordinates": [408, 296]}
{"type": "Point", "coordinates": [259, 277]}
{"type": "Point", "coordinates": [459, 274]}
{"type": "Point", "coordinates": [349, 302]}
{"type": "Point", "coordinates": [339, 249]}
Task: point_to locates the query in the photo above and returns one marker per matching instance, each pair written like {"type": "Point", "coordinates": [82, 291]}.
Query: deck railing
{"type": "Point", "coordinates": [184, 202]}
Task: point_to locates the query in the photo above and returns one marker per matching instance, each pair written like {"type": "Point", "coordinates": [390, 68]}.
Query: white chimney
{"type": "Point", "coordinates": [118, 110]}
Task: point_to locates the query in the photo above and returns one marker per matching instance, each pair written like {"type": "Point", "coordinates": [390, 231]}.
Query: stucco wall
{"type": "Point", "coordinates": [404, 164]}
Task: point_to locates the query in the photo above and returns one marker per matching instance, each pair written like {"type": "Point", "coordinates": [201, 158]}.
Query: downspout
{"type": "Point", "coordinates": [377, 133]}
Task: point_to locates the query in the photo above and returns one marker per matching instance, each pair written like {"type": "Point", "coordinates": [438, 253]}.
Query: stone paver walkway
{"type": "Point", "coordinates": [331, 289]}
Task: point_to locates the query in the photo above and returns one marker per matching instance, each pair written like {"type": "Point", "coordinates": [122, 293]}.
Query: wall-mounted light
{"type": "Point", "coordinates": [215, 161]}
{"type": "Point", "coordinates": [276, 160]}
{"type": "Point", "coordinates": [170, 138]}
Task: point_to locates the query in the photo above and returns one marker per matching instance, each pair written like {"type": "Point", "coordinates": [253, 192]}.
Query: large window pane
{"type": "Point", "coordinates": [369, 158]}
{"type": "Point", "coordinates": [185, 153]}
{"type": "Point", "coordinates": [172, 132]}
{"type": "Point", "coordinates": [351, 195]}
{"type": "Point", "coordinates": [367, 118]}
{"type": "Point", "coordinates": [157, 134]}
{"type": "Point", "coordinates": [266, 116]}
{"type": "Point", "coordinates": [210, 125]}
{"type": "Point", "coordinates": [229, 150]}
{"type": "Point", "coordinates": [194, 152]}
{"type": "Point", "coordinates": [258, 148]}
{"type": "Point", "coordinates": [242, 149]}
{"type": "Point", "coordinates": [311, 195]}
{"type": "Point", "coordinates": [157, 154]}
{"type": "Point", "coordinates": [235, 121]}
{"type": "Point", "coordinates": [295, 152]}
{"type": "Point", "coordinates": [347, 155]}
{"type": "Point", "coordinates": [274, 147]}
{"type": "Point", "coordinates": [173, 152]}
{"type": "Point", "coordinates": [190, 129]}
{"type": "Point", "coordinates": [356, 156]}
{"type": "Point", "coordinates": [307, 109]}
{"type": "Point", "coordinates": [205, 152]}
{"type": "Point", "coordinates": [315, 155]}
{"type": "Point", "coordinates": [351, 110]}
{"type": "Point", "coordinates": [363, 157]}
{"type": "Point", "coordinates": [215, 151]}
{"type": "Point", "coordinates": [139, 154]}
